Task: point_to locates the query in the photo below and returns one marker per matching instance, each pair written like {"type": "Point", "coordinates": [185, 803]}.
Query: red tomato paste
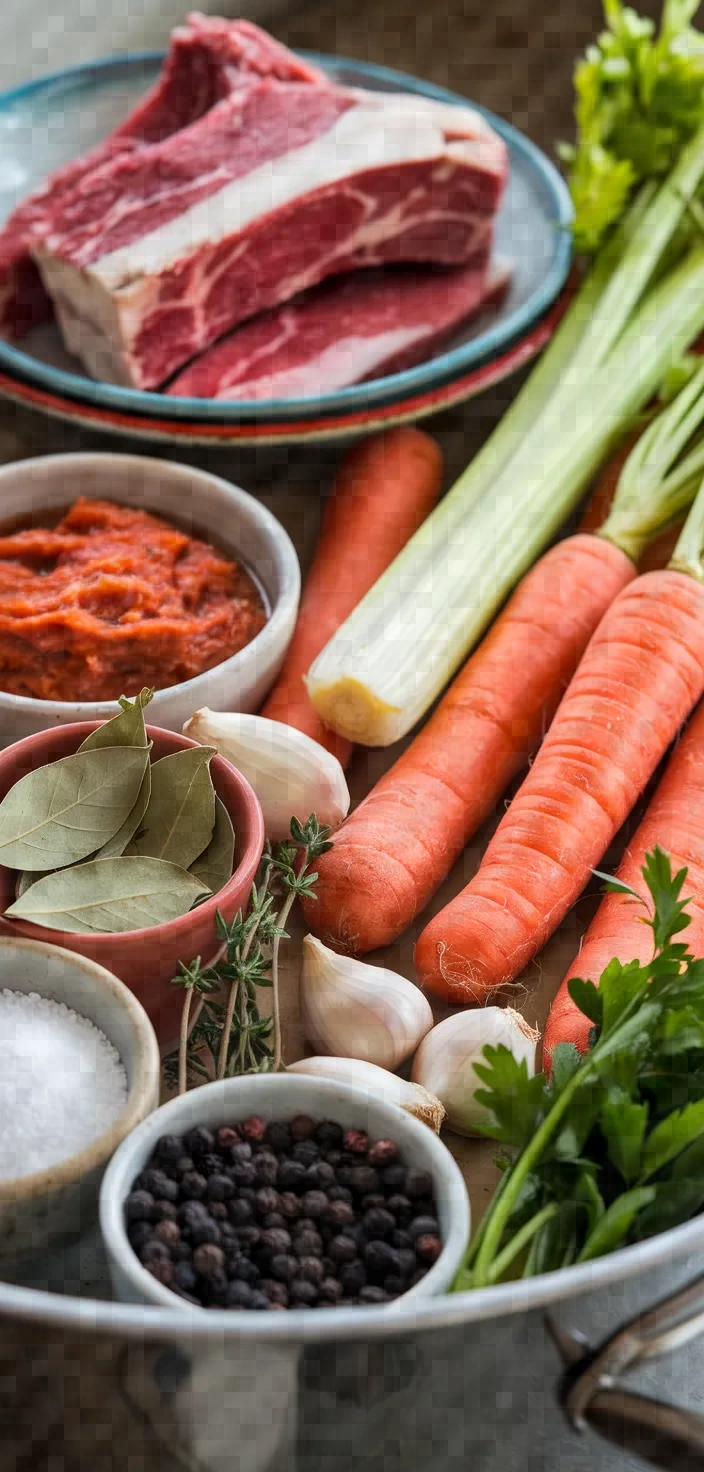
{"type": "Point", "coordinates": [112, 599]}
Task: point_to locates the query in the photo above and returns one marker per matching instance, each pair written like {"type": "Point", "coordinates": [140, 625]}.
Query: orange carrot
{"type": "Point", "coordinates": [674, 821]}
{"type": "Point", "coordinates": [383, 491]}
{"type": "Point", "coordinates": [640, 677]}
{"type": "Point", "coordinates": [391, 854]}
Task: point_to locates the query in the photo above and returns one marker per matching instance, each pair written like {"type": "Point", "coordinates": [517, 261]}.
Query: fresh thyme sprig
{"type": "Point", "coordinates": [225, 1034]}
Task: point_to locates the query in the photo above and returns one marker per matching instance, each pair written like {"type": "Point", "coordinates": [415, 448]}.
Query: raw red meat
{"type": "Point", "coordinates": [278, 186]}
{"type": "Point", "coordinates": [347, 330]}
{"type": "Point", "coordinates": [208, 59]}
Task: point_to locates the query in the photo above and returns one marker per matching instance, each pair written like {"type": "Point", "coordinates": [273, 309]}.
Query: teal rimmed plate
{"type": "Point", "coordinates": [47, 122]}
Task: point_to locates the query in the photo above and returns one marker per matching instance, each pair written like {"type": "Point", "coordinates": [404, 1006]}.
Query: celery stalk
{"type": "Point", "coordinates": [392, 657]}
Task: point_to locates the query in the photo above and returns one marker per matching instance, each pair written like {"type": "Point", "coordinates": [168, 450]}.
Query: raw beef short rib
{"type": "Point", "coordinates": [279, 185]}
{"type": "Point", "coordinates": [347, 330]}
{"type": "Point", "coordinates": [208, 59]}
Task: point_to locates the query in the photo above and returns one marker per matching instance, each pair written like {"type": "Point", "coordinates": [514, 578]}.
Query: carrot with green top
{"type": "Point", "coordinates": [393, 852]}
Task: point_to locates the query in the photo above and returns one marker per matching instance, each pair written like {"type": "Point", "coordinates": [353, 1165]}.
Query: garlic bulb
{"type": "Point", "coordinates": [445, 1060]}
{"type": "Point", "coordinates": [292, 775]}
{"type": "Point", "coordinates": [354, 1010]}
{"type": "Point", "coordinates": [380, 1084]}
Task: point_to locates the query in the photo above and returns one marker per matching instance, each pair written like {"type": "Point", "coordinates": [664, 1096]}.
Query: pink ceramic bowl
{"type": "Point", "coordinates": [146, 960]}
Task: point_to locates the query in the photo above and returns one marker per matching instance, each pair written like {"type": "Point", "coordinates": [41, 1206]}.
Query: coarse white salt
{"type": "Point", "coordinates": [62, 1084]}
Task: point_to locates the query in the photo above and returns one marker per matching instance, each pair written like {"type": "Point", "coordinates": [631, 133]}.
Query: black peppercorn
{"type": "Point", "coordinates": [330, 1290]}
{"type": "Point", "coordinates": [241, 1151]}
{"type": "Point", "coordinates": [273, 1219]}
{"type": "Point", "coordinates": [218, 1211]}
{"type": "Point", "coordinates": [302, 1293]}
{"type": "Point", "coordinates": [380, 1259]}
{"type": "Point", "coordinates": [165, 1211]}
{"type": "Point", "coordinates": [291, 1176]}
{"type": "Point", "coordinates": [370, 1294]}
{"type": "Point", "coordinates": [275, 1240]}
{"type": "Point", "coordinates": [278, 1136]}
{"type": "Point", "coordinates": [240, 1212]}
{"type": "Point", "coordinates": [160, 1185]}
{"type": "Point", "coordinates": [253, 1128]}
{"type": "Point", "coordinates": [329, 1134]}
{"type": "Point", "coordinates": [314, 1203]}
{"type": "Point", "coordinates": [243, 1173]}
{"type": "Point", "coordinates": [266, 1200]}
{"type": "Point", "coordinates": [275, 1292]}
{"type": "Point", "coordinates": [208, 1259]}
{"type": "Point", "coordinates": [199, 1141]}
{"type": "Point", "coordinates": [384, 1152]}
{"type": "Point", "coordinates": [340, 1193]}
{"type": "Point", "coordinates": [153, 1249]}
{"type": "Point", "coordinates": [185, 1277]}
{"type": "Point", "coordinates": [423, 1226]}
{"type": "Point", "coordinates": [417, 1183]}
{"type": "Point", "coordinates": [338, 1214]}
{"type": "Point", "coordinates": [193, 1186]}
{"type": "Point", "coordinates": [162, 1269]}
{"type": "Point", "coordinates": [378, 1222]}
{"type": "Point", "coordinates": [239, 1295]}
{"type": "Point", "coordinates": [320, 1176]}
{"type": "Point", "coordinates": [190, 1213]}
{"type": "Point", "coordinates": [393, 1177]}
{"type": "Point", "coordinates": [364, 1179]}
{"type": "Point", "coordinates": [311, 1268]}
{"type": "Point", "coordinates": [308, 1244]}
{"type": "Point", "coordinates": [406, 1262]}
{"type": "Point", "coordinates": [205, 1231]}
{"type": "Point", "coordinates": [306, 1152]}
{"type": "Point", "coordinates": [353, 1277]}
{"type": "Point", "coordinates": [401, 1207]}
{"type": "Point", "coordinates": [289, 1205]}
{"type": "Point", "coordinates": [169, 1233]}
{"type": "Point", "coordinates": [139, 1206]}
{"type": "Point", "coordinates": [342, 1249]}
{"type": "Point", "coordinates": [428, 1247]}
{"type": "Point", "coordinates": [215, 1290]}
{"type": "Point", "coordinates": [139, 1232]}
{"type": "Point", "coordinates": [283, 1267]}
{"type": "Point", "coordinates": [168, 1149]}
{"type": "Point", "coordinates": [302, 1127]}
{"type": "Point", "coordinates": [266, 1168]}
{"type": "Point", "coordinates": [241, 1267]}
{"type": "Point", "coordinates": [220, 1187]}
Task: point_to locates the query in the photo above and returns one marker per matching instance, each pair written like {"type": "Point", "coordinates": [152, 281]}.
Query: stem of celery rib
{"type": "Point", "coordinates": [687, 556]}
{"type": "Point", "coordinates": [276, 1007]}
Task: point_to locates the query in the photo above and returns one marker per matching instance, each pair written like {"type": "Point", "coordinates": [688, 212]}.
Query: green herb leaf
{"type": "Point", "coordinates": [125, 729]}
{"type": "Point", "coordinates": [613, 1227]}
{"type": "Point", "coordinates": [66, 810]}
{"type": "Point", "coordinates": [619, 986]}
{"type": "Point", "coordinates": [180, 818]}
{"type": "Point", "coordinates": [109, 895]}
{"type": "Point", "coordinates": [623, 1124]}
{"type": "Point", "coordinates": [214, 866]}
{"type": "Point", "coordinates": [674, 1202]}
{"type": "Point", "coordinates": [671, 1136]}
{"type": "Point", "coordinates": [516, 1101]}
{"type": "Point", "coordinates": [587, 997]}
{"type": "Point", "coordinates": [669, 917]}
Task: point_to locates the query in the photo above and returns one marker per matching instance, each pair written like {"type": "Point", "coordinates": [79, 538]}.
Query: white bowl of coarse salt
{"type": "Point", "coordinates": [80, 1069]}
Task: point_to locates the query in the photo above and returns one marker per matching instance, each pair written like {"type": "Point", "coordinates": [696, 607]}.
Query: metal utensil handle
{"type": "Point", "coordinates": [665, 1436]}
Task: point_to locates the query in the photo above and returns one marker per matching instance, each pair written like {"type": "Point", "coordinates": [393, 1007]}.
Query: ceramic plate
{"type": "Point", "coordinates": [52, 120]}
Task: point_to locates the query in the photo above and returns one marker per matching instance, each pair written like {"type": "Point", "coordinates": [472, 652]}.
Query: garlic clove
{"type": "Point", "coordinates": [353, 1010]}
{"type": "Point", "coordinates": [445, 1061]}
{"type": "Point", "coordinates": [379, 1083]}
{"type": "Point", "coordinates": [292, 775]}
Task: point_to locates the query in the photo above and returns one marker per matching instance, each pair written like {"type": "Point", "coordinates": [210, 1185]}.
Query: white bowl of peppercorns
{"type": "Point", "coordinates": [284, 1192]}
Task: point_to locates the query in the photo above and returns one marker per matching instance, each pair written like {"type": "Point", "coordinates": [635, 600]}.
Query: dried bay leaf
{"type": "Point", "coordinates": [179, 821]}
{"type": "Point", "coordinates": [109, 895]}
{"type": "Point", "coordinates": [66, 810]}
{"type": "Point", "coordinates": [125, 729]}
{"type": "Point", "coordinates": [27, 878]}
{"type": "Point", "coordinates": [116, 846]}
{"type": "Point", "coordinates": [214, 866]}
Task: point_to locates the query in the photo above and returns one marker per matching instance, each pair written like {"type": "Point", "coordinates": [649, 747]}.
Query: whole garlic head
{"type": "Point", "coordinates": [444, 1063]}
{"type": "Point", "coordinates": [292, 775]}
{"type": "Point", "coordinates": [353, 1010]}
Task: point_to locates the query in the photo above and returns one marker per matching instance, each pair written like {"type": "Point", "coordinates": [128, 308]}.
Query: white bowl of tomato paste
{"type": "Point", "coordinates": [121, 571]}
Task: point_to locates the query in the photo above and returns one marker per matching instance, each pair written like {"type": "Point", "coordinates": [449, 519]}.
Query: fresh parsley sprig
{"type": "Point", "coordinates": [225, 1034]}
{"type": "Point", "coordinates": [610, 1148]}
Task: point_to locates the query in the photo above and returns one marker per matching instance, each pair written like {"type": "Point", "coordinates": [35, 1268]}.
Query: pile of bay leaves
{"type": "Point", "coordinates": [107, 840]}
